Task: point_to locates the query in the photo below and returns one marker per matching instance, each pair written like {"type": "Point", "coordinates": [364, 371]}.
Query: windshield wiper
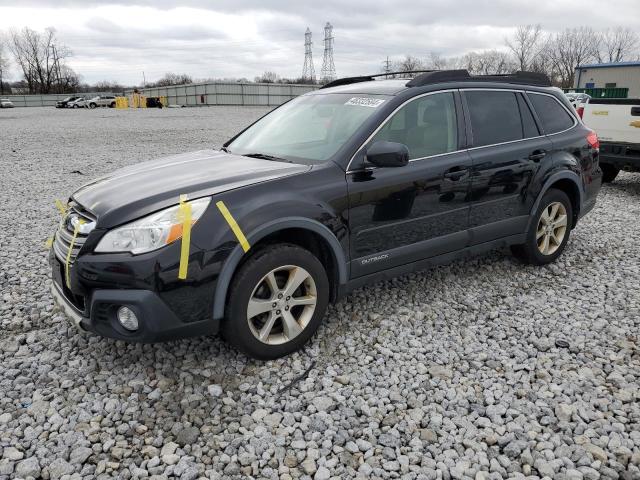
{"type": "Point", "coordinates": [225, 149]}
{"type": "Point", "coordinates": [265, 156]}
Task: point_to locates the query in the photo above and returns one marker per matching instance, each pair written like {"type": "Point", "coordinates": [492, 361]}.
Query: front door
{"type": "Point", "coordinates": [399, 215]}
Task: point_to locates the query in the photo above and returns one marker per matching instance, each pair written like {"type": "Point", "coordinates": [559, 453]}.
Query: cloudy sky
{"type": "Point", "coordinates": [113, 40]}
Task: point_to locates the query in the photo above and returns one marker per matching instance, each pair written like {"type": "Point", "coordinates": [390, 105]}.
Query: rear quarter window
{"type": "Point", "coordinates": [552, 115]}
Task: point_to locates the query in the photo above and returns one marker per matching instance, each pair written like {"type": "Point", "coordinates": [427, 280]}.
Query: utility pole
{"type": "Point", "coordinates": [308, 71]}
{"type": "Point", "coordinates": [386, 67]}
{"type": "Point", "coordinates": [328, 72]}
{"type": "Point", "coordinates": [56, 67]}
{"type": "Point", "coordinates": [144, 80]}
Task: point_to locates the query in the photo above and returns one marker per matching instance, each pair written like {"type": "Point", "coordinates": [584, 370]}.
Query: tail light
{"type": "Point", "coordinates": [592, 139]}
{"type": "Point", "coordinates": [580, 110]}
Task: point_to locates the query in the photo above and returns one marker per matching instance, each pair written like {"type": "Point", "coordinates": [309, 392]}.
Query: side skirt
{"type": "Point", "coordinates": [430, 262]}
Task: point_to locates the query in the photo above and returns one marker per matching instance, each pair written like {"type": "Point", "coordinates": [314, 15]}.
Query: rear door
{"type": "Point", "coordinates": [507, 151]}
{"type": "Point", "coordinates": [403, 214]}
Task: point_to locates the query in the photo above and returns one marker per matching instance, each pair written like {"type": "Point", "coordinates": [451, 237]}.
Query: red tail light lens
{"type": "Point", "coordinates": [592, 138]}
{"type": "Point", "coordinates": [580, 111]}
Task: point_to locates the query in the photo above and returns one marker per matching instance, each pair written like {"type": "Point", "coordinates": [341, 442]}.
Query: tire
{"type": "Point", "coordinates": [92, 105]}
{"type": "Point", "coordinates": [250, 283]}
{"type": "Point", "coordinates": [531, 252]}
{"type": "Point", "coordinates": [112, 105]}
{"type": "Point", "coordinates": [609, 172]}
{"type": "Point", "coordinates": [75, 106]}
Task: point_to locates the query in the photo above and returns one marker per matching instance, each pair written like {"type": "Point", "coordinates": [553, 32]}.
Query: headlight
{"type": "Point", "coordinates": [151, 232]}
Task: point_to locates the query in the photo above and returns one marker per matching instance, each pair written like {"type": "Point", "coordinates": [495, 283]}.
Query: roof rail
{"type": "Point", "coordinates": [368, 78]}
{"type": "Point", "coordinates": [439, 76]}
{"type": "Point", "coordinates": [428, 77]}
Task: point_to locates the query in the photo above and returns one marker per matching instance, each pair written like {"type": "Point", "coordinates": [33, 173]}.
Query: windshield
{"type": "Point", "coordinates": [308, 129]}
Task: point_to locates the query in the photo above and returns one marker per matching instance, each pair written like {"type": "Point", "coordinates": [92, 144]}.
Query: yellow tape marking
{"type": "Point", "coordinates": [49, 243]}
{"type": "Point", "coordinates": [600, 112]}
{"type": "Point", "coordinates": [68, 259]}
{"type": "Point", "coordinates": [185, 216]}
{"type": "Point", "coordinates": [234, 225]}
{"type": "Point", "coordinates": [61, 207]}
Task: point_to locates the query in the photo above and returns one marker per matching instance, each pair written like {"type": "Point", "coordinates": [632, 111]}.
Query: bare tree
{"type": "Point", "coordinates": [617, 44]}
{"type": "Point", "coordinates": [568, 49]}
{"type": "Point", "coordinates": [524, 44]}
{"type": "Point", "coordinates": [172, 79]}
{"type": "Point", "coordinates": [4, 65]}
{"type": "Point", "coordinates": [408, 64]}
{"type": "Point", "coordinates": [489, 62]}
{"type": "Point", "coordinates": [39, 58]}
{"type": "Point", "coordinates": [268, 77]}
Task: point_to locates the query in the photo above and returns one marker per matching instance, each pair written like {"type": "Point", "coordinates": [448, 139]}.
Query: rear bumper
{"type": "Point", "coordinates": [157, 323]}
{"type": "Point", "coordinates": [621, 155]}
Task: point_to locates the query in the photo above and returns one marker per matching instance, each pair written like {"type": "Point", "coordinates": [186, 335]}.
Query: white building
{"type": "Point", "coordinates": [610, 75]}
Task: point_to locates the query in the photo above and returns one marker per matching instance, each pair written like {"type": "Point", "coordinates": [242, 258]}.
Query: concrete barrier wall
{"type": "Point", "coordinates": [203, 94]}
{"type": "Point", "coordinates": [197, 94]}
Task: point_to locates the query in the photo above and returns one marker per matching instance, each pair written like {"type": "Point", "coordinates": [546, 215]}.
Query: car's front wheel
{"type": "Point", "coordinates": [92, 105]}
{"type": "Point", "coordinates": [276, 302]}
{"type": "Point", "coordinates": [549, 232]}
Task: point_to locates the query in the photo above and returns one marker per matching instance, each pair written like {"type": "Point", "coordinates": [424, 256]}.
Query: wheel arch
{"type": "Point", "coordinates": [569, 183]}
{"type": "Point", "coordinates": [272, 230]}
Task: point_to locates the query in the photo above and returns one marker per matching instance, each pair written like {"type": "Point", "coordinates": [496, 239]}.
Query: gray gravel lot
{"type": "Point", "coordinates": [448, 373]}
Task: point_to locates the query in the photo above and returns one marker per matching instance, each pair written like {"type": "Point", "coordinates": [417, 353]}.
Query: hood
{"type": "Point", "coordinates": [138, 190]}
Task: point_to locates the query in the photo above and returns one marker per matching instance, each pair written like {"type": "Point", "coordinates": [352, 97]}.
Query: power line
{"type": "Point", "coordinates": [308, 71]}
{"type": "Point", "coordinates": [328, 72]}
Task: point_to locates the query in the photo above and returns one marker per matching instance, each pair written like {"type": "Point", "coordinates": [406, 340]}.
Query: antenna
{"type": "Point", "coordinates": [328, 72]}
{"type": "Point", "coordinates": [308, 72]}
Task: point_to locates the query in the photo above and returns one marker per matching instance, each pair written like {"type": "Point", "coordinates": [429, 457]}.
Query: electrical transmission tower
{"type": "Point", "coordinates": [386, 66]}
{"type": "Point", "coordinates": [308, 71]}
{"type": "Point", "coordinates": [328, 72]}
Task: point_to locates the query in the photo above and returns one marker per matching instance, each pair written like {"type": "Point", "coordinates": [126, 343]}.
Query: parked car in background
{"type": "Point", "coordinates": [102, 101]}
{"type": "Point", "coordinates": [65, 102]}
{"type": "Point", "coordinates": [79, 102]}
{"type": "Point", "coordinates": [6, 103]}
{"type": "Point", "coordinates": [577, 99]}
{"type": "Point", "coordinates": [617, 123]}
{"type": "Point", "coordinates": [356, 182]}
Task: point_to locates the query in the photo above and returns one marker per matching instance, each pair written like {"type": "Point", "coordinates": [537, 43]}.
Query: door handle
{"type": "Point", "coordinates": [537, 155]}
{"type": "Point", "coordinates": [456, 173]}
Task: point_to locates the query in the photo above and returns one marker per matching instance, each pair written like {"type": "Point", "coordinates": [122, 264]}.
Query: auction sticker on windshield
{"type": "Point", "coordinates": [365, 102]}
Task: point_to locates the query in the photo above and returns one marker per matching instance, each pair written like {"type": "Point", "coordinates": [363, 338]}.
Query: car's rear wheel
{"type": "Point", "coordinates": [609, 172]}
{"type": "Point", "coordinates": [550, 230]}
{"type": "Point", "coordinates": [92, 105]}
{"type": "Point", "coordinates": [276, 302]}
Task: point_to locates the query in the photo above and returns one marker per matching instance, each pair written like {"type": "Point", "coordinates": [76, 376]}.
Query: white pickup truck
{"type": "Point", "coordinates": [617, 123]}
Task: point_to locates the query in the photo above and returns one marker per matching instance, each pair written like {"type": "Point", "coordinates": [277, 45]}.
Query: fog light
{"type": "Point", "coordinates": [127, 318]}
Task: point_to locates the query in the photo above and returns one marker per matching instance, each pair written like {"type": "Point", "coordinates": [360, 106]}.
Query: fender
{"type": "Point", "coordinates": [229, 268]}
{"type": "Point", "coordinates": [566, 174]}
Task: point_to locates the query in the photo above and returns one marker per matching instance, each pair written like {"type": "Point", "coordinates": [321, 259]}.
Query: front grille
{"type": "Point", "coordinates": [64, 235]}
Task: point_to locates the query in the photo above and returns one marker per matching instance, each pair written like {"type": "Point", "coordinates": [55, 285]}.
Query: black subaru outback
{"type": "Point", "coordinates": [358, 181]}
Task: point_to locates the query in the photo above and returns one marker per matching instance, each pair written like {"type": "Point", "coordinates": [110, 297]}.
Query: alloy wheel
{"type": "Point", "coordinates": [282, 304]}
{"type": "Point", "coordinates": [552, 228]}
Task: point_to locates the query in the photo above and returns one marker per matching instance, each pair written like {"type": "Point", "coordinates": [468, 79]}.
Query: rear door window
{"type": "Point", "coordinates": [553, 116]}
{"type": "Point", "coordinates": [495, 117]}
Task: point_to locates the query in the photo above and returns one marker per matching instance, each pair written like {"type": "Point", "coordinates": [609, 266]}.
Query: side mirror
{"type": "Point", "coordinates": [388, 154]}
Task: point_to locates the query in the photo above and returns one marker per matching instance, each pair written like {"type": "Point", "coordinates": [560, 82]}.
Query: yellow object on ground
{"type": "Point", "coordinates": [235, 228]}
{"type": "Point", "coordinates": [122, 102]}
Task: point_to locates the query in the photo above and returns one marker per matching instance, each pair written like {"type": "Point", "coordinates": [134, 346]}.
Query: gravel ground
{"type": "Point", "coordinates": [449, 373]}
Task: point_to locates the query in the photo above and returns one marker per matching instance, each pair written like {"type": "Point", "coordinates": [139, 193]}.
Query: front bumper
{"type": "Point", "coordinates": [157, 323]}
